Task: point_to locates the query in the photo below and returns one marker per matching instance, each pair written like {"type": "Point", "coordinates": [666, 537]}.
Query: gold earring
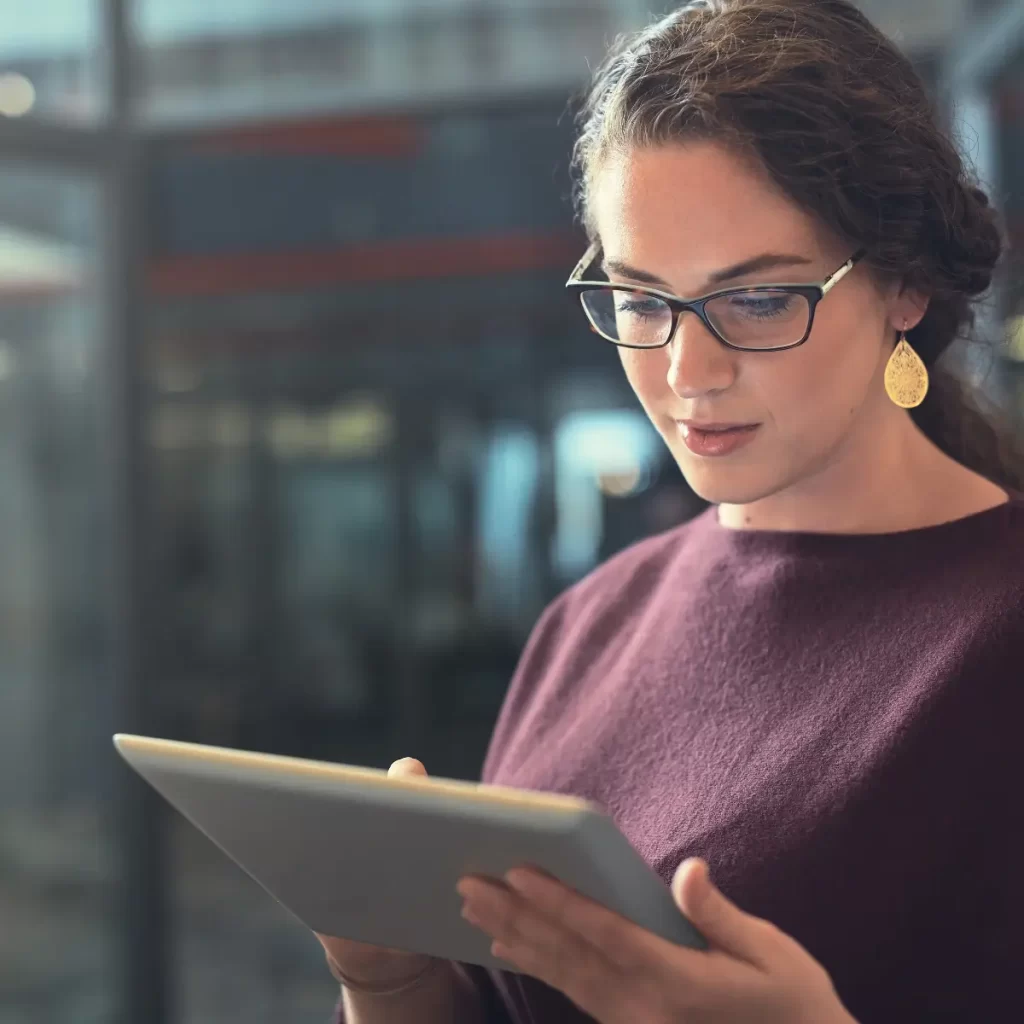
{"type": "Point", "coordinates": [906, 376]}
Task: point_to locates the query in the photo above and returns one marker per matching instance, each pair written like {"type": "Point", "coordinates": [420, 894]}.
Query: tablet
{"type": "Point", "coordinates": [356, 854]}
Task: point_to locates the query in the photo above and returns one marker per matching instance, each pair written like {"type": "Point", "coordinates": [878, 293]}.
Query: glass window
{"type": "Point", "coordinates": [202, 59]}
{"type": "Point", "coordinates": [56, 876]}
{"type": "Point", "coordinates": [51, 61]}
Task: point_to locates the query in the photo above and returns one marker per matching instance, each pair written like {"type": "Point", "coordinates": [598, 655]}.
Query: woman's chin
{"type": "Point", "coordinates": [721, 484]}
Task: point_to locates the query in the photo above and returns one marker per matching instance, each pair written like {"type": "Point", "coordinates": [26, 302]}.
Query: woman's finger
{"type": "Point", "coordinates": [538, 943]}
{"type": "Point", "coordinates": [407, 766]}
{"type": "Point", "coordinates": [632, 950]}
{"type": "Point", "coordinates": [720, 921]}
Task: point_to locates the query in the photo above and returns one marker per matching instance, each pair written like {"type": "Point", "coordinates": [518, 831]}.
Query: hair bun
{"type": "Point", "coordinates": [980, 196]}
{"type": "Point", "coordinates": [968, 264]}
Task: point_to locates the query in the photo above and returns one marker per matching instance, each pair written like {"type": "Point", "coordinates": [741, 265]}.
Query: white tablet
{"type": "Point", "coordinates": [356, 854]}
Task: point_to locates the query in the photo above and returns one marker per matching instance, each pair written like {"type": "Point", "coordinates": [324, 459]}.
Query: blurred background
{"type": "Point", "coordinates": [299, 431]}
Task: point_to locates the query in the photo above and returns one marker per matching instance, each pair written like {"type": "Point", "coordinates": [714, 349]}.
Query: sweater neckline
{"type": "Point", "coordinates": [987, 522]}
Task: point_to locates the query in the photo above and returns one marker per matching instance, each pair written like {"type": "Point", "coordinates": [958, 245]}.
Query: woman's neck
{"type": "Point", "coordinates": [905, 483]}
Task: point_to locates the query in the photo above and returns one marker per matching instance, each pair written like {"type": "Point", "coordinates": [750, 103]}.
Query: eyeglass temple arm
{"type": "Point", "coordinates": [588, 257]}
{"type": "Point", "coordinates": [595, 247]}
{"type": "Point", "coordinates": [832, 281]}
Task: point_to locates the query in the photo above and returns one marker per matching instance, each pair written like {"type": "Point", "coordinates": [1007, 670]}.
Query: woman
{"type": "Point", "coordinates": [815, 686]}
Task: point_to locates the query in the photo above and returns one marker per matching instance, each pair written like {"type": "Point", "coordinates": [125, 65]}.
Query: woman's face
{"type": "Point", "coordinates": [680, 215]}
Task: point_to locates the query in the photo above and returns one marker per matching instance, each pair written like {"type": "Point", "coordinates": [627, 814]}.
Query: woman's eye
{"type": "Point", "coordinates": [636, 306]}
{"type": "Point", "coordinates": [761, 306]}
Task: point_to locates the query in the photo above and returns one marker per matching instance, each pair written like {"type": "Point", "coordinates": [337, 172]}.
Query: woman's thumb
{"type": "Point", "coordinates": [407, 766]}
{"type": "Point", "coordinates": [717, 918]}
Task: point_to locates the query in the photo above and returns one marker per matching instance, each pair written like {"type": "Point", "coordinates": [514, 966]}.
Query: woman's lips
{"type": "Point", "coordinates": [716, 439]}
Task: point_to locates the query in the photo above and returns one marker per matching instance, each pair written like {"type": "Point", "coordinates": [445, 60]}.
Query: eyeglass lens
{"type": "Point", "coordinates": [754, 319]}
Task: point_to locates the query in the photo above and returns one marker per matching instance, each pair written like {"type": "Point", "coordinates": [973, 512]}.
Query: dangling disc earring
{"type": "Point", "coordinates": [906, 376]}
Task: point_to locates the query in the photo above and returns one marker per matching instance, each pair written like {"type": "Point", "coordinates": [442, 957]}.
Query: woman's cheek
{"type": "Point", "coordinates": [647, 373]}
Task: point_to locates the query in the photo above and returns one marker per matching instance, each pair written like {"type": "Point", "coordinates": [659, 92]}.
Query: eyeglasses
{"type": "Point", "coordinates": [763, 318]}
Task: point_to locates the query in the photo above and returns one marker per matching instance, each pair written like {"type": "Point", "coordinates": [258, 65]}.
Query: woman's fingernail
{"type": "Point", "coordinates": [519, 881]}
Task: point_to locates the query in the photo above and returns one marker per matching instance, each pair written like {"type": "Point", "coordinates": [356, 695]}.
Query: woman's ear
{"type": "Point", "coordinates": [907, 309]}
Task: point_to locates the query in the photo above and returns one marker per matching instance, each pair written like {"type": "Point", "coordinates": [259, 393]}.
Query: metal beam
{"type": "Point", "coordinates": [138, 816]}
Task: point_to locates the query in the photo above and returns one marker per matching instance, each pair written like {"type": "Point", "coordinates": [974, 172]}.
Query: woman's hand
{"type": "Point", "coordinates": [620, 973]}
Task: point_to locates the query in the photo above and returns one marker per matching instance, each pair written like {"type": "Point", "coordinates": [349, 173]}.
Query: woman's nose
{"type": "Point", "coordinates": [698, 362]}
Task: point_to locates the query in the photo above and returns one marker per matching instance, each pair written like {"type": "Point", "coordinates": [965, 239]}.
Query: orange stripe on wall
{"type": "Point", "coordinates": [378, 261]}
{"type": "Point", "coordinates": [389, 137]}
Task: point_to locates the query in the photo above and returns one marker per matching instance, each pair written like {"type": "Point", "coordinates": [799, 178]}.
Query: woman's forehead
{"type": "Point", "coordinates": [695, 208]}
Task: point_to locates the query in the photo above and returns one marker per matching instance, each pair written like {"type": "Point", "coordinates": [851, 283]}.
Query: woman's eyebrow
{"type": "Point", "coordinates": [765, 261]}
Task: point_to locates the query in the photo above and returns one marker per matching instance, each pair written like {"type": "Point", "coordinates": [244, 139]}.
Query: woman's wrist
{"type": "Point", "coordinates": [391, 983]}
{"type": "Point", "coordinates": [444, 993]}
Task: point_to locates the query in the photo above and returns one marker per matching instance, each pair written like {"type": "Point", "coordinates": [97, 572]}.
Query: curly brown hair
{"type": "Point", "coordinates": [842, 123]}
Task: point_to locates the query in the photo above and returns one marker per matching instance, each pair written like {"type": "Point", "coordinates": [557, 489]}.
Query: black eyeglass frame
{"type": "Point", "coordinates": [814, 293]}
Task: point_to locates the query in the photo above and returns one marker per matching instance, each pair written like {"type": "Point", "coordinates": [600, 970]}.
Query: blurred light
{"type": "Point", "coordinates": [288, 435]}
{"type": "Point", "coordinates": [177, 380]}
{"type": "Point", "coordinates": [1015, 339]}
{"type": "Point", "coordinates": [230, 425]}
{"type": "Point", "coordinates": [620, 484]}
{"type": "Point", "coordinates": [360, 428]}
{"type": "Point", "coordinates": [7, 361]}
{"type": "Point", "coordinates": [177, 427]}
{"type": "Point", "coordinates": [30, 262]}
{"type": "Point", "coordinates": [354, 429]}
{"type": "Point", "coordinates": [17, 95]}
{"type": "Point", "coordinates": [509, 476]}
{"type": "Point", "coordinates": [609, 450]}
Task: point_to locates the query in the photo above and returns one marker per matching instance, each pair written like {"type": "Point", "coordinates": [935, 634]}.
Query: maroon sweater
{"type": "Point", "coordinates": [834, 722]}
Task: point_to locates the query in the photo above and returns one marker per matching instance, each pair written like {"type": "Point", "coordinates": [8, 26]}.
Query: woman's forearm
{"type": "Point", "coordinates": [446, 996]}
